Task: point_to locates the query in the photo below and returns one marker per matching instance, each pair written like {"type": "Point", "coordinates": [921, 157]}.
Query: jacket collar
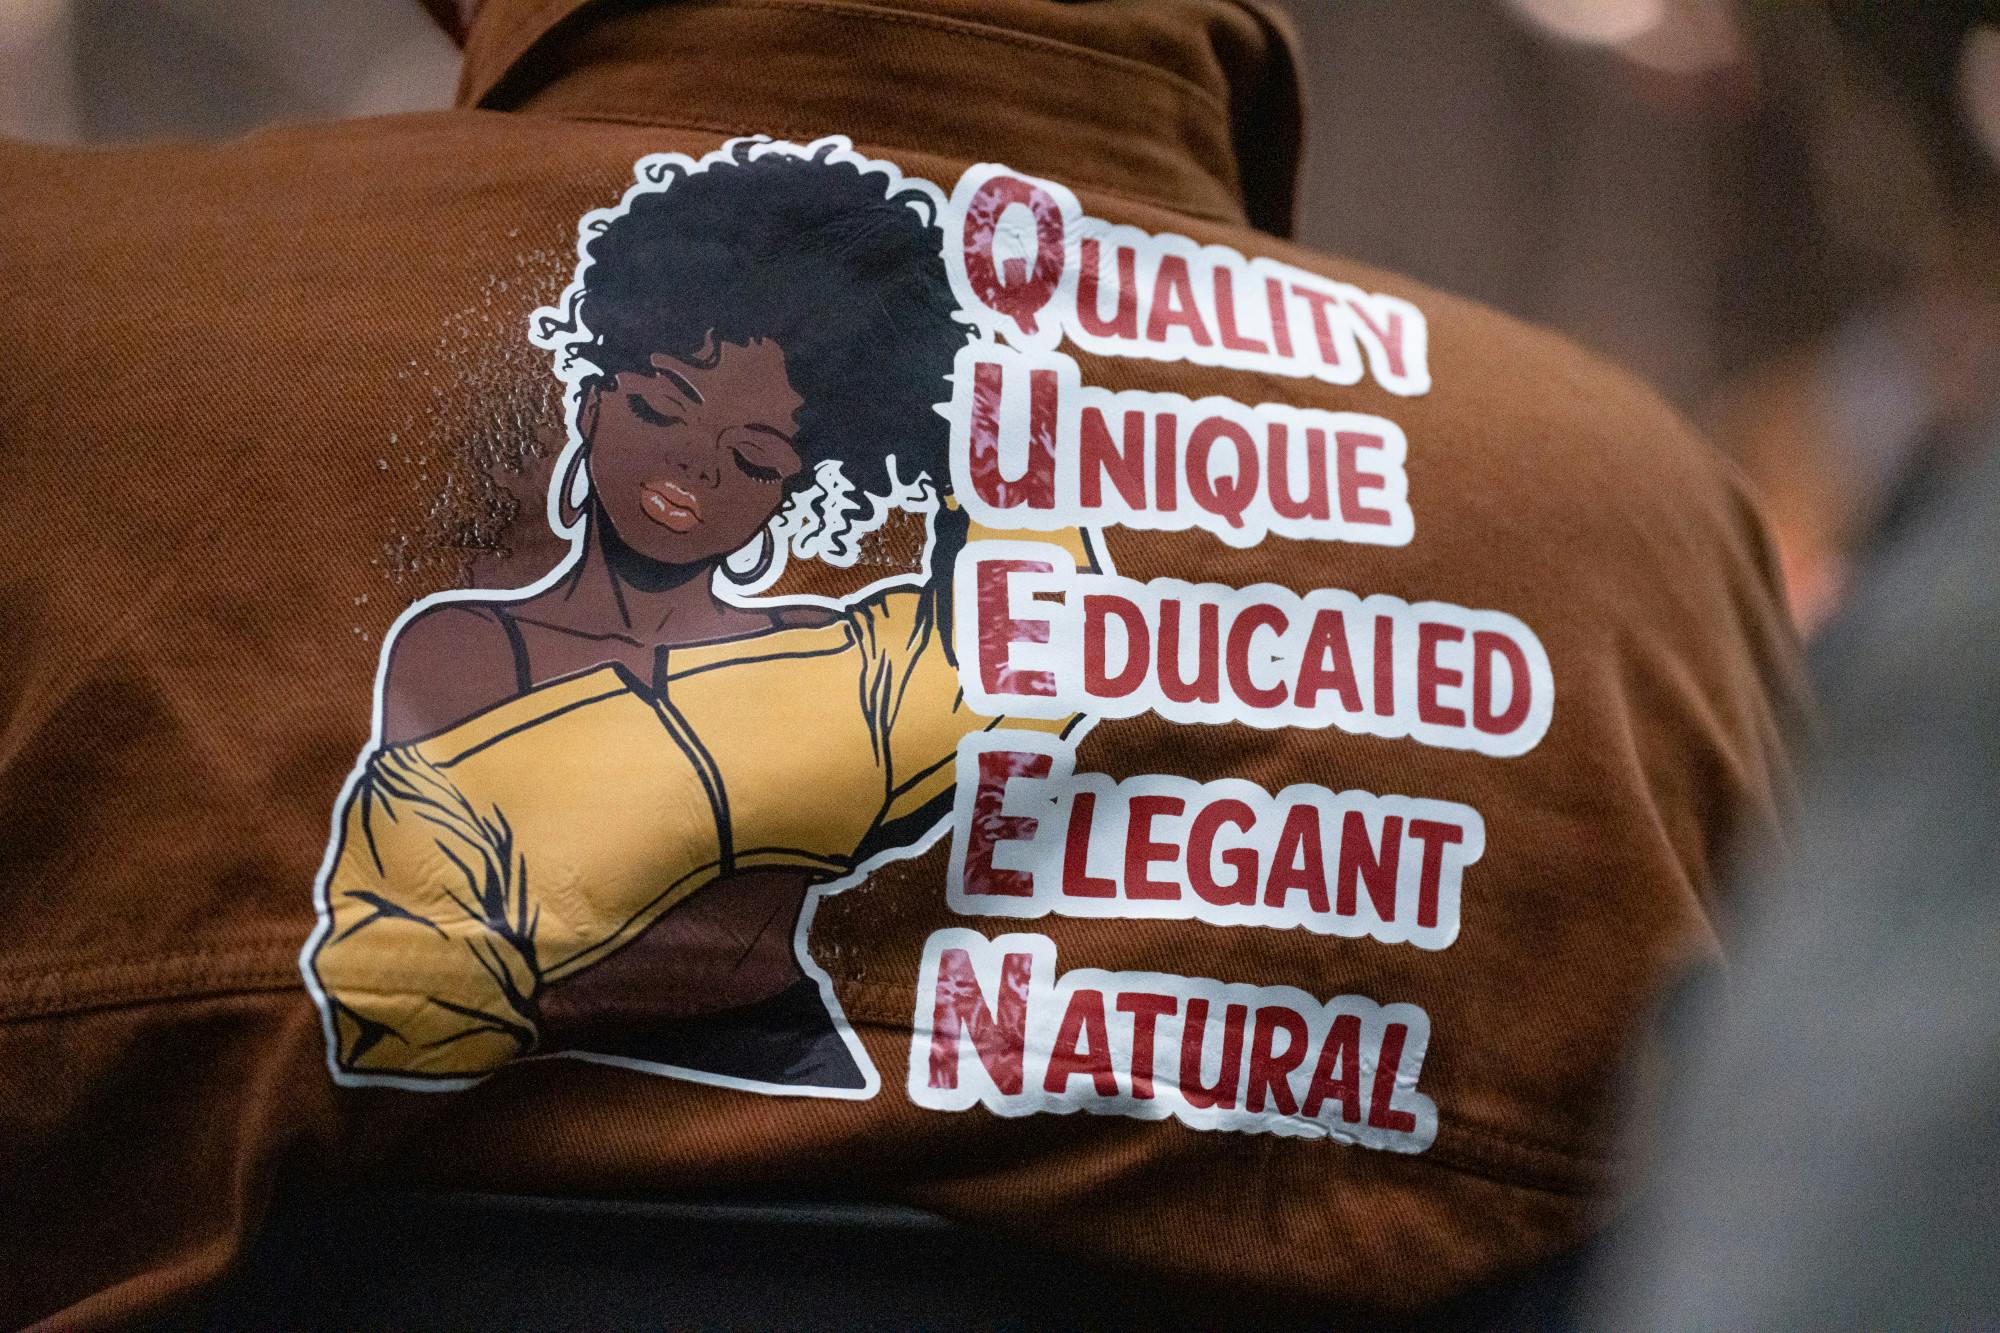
{"type": "Point", "coordinates": [1189, 104]}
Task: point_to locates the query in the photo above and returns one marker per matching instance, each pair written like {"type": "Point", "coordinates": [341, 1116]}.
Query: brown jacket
{"type": "Point", "coordinates": [261, 397]}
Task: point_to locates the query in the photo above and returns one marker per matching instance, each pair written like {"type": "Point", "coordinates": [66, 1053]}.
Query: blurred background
{"type": "Point", "coordinates": [1706, 191]}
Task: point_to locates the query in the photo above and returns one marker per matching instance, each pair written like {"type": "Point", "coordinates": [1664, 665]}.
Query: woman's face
{"type": "Point", "coordinates": [690, 461]}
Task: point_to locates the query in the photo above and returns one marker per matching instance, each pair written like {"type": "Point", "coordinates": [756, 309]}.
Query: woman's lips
{"type": "Point", "coordinates": [670, 506]}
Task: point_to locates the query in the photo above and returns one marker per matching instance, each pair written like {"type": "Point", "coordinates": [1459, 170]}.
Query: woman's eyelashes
{"type": "Point", "coordinates": [649, 414]}
{"type": "Point", "coordinates": [755, 470]}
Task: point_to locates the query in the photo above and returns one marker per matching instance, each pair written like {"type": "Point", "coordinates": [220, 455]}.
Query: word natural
{"type": "Point", "coordinates": [997, 1026]}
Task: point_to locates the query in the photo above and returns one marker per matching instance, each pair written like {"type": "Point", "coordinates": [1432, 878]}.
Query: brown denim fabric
{"type": "Point", "coordinates": [259, 396]}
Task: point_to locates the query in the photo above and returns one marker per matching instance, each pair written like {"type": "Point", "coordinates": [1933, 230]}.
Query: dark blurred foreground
{"type": "Point", "coordinates": [484, 1261]}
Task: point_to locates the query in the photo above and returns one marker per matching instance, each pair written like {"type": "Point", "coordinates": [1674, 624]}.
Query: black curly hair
{"type": "Point", "coordinates": [816, 255]}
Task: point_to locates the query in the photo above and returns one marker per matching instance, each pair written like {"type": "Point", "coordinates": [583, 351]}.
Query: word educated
{"type": "Point", "coordinates": [1264, 656]}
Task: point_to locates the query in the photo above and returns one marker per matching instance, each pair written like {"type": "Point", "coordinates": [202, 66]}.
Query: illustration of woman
{"type": "Point", "coordinates": [595, 811]}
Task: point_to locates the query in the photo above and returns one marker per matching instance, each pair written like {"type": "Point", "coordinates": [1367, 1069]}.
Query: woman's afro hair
{"type": "Point", "coordinates": [814, 255]}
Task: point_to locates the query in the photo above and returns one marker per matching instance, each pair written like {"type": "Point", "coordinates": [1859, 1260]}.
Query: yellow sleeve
{"type": "Point", "coordinates": [427, 963]}
{"type": "Point", "coordinates": [912, 690]}
{"type": "Point", "coordinates": [481, 865]}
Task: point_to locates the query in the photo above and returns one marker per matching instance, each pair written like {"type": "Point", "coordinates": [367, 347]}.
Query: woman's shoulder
{"type": "Point", "coordinates": [446, 663]}
{"type": "Point", "coordinates": [458, 616]}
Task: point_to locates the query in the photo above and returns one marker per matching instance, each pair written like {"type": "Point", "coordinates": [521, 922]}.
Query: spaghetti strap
{"type": "Point", "coordinates": [524, 679]}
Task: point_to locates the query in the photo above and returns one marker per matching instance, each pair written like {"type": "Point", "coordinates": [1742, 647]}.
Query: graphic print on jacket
{"type": "Point", "coordinates": [598, 811]}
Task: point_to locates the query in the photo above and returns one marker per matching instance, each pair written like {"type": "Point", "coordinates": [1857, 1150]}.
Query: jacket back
{"type": "Point", "coordinates": [564, 646]}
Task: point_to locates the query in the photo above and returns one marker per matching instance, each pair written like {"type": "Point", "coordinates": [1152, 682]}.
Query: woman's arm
{"type": "Point", "coordinates": [427, 959]}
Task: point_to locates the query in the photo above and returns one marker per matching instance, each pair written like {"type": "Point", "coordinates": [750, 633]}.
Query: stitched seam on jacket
{"type": "Point", "coordinates": [1464, 1147]}
{"type": "Point", "coordinates": [160, 978]}
{"type": "Point", "coordinates": [1469, 1150]}
{"type": "Point", "coordinates": [1178, 207]}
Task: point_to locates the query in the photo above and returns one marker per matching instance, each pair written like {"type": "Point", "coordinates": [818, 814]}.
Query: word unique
{"type": "Point", "coordinates": [1033, 447]}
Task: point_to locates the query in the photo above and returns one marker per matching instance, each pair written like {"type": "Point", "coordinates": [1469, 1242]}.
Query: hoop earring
{"type": "Point", "coordinates": [766, 554]}
{"type": "Point", "coordinates": [568, 507]}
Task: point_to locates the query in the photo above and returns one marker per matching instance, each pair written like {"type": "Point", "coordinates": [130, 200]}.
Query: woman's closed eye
{"type": "Point", "coordinates": [647, 413]}
{"type": "Point", "coordinates": [752, 468]}
{"type": "Point", "coordinates": [763, 453]}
